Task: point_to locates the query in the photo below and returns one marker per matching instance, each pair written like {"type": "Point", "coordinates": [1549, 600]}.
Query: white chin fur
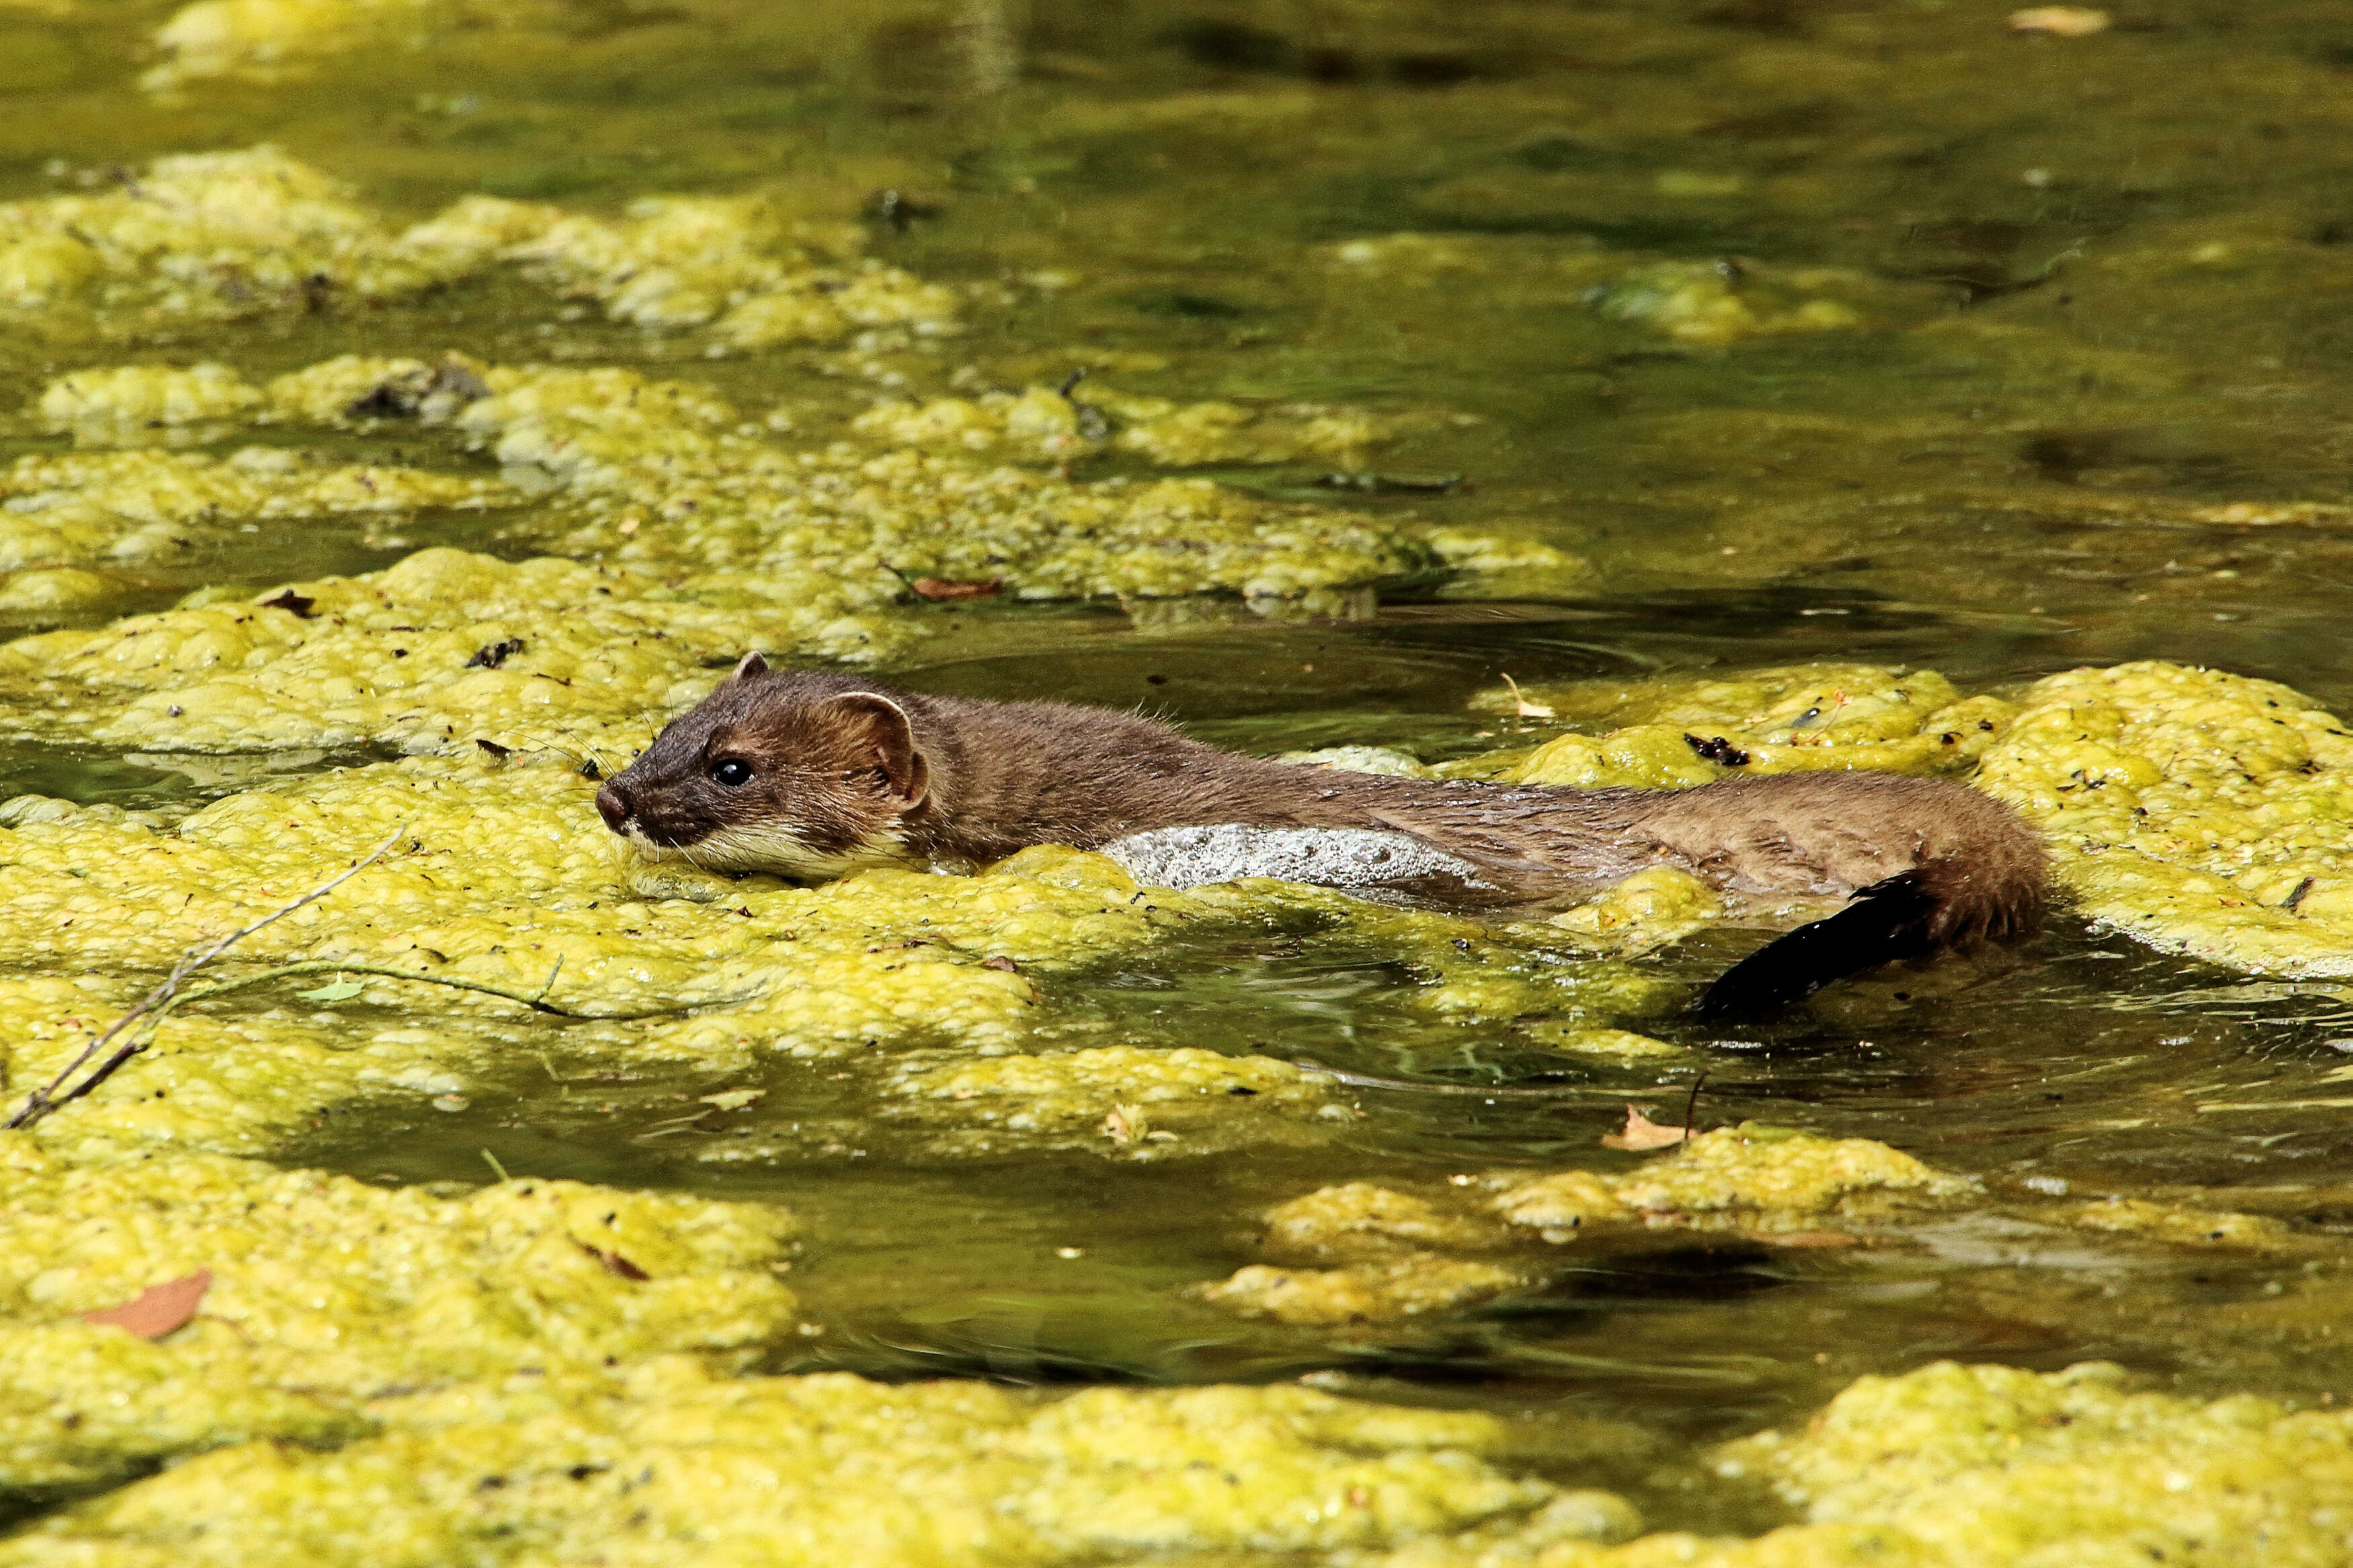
{"type": "Point", "coordinates": [769, 849]}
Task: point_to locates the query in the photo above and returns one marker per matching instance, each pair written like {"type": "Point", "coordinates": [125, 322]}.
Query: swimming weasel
{"type": "Point", "coordinates": [816, 773]}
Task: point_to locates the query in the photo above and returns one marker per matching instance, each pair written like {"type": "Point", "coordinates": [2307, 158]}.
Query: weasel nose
{"type": "Point", "coordinates": [613, 807]}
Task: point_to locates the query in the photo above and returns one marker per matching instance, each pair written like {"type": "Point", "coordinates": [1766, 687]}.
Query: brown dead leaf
{"type": "Point", "coordinates": [158, 1309]}
{"type": "Point", "coordinates": [293, 604]}
{"type": "Point", "coordinates": [2060, 21]}
{"type": "Point", "coordinates": [942, 588]}
{"type": "Point", "coordinates": [1642, 1133]}
{"type": "Point", "coordinates": [1522, 707]}
{"type": "Point", "coordinates": [1004, 965]}
{"type": "Point", "coordinates": [615, 1263]}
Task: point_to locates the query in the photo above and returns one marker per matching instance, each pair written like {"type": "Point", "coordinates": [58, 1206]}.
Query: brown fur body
{"type": "Point", "coordinates": [840, 771]}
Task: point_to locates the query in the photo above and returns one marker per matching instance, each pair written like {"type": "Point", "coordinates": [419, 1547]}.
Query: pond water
{"type": "Point", "coordinates": [2085, 296]}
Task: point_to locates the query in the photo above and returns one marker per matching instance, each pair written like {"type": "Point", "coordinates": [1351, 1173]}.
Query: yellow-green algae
{"type": "Point", "coordinates": [1137, 1099]}
{"type": "Point", "coordinates": [1759, 1178]}
{"type": "Point", "coordinates": [1382, 1241]}
{"type": "Point", "coordinates": [327, 1293]}
{"type": "Point", "coordinates": [213, 237]}
{"type": "Point", "coordinates": [1361, 1252]}
{"type": "Point", "coordinates": [663, 1465]}
{"type": "Point", "coordinates": [1729, 301]}
{"type": "Point", "coordinates": [680, 503]}
{"type": "Point", "coordinates": [1759, 1182]}
{"type": "Point", "coordinates": [1953, 1466]}
{"type": "Point", "coordinates": [142, 507]}
{"type": "Point", "coordinates": [2203, 812]}
{"type": "Point", "coordinates": [397, 658]}
{"type": "Point", "coordinates": [1785, 719]}
{"type": "Point", "coordinates": [1647, 909]}
{"type": "Point", "coordinates": [1404, 1286]}
{"type": "Point", "coordinates": [1041, 425]}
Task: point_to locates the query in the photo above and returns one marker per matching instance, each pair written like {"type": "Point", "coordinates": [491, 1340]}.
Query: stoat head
{"type": "Point", "coordinates": [803, 772]}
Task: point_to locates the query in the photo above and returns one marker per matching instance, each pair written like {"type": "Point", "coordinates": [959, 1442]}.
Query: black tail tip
{"type": "Point", "coordinates": [1883, 923]}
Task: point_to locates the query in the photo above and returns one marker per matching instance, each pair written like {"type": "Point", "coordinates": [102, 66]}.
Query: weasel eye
{"type": "Point", "coordinates": [732, 772]}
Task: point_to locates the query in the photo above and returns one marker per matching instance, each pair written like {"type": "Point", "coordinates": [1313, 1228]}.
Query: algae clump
{"type": "Point", "coordinates": [2201, 811]}
{"type": "Point", "coordinates": [661, 1465]}
{"type": "Point", "coordinates": [327, 1293]}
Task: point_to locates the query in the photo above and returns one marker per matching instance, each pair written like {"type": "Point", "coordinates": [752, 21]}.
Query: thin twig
{"type": "Point", "coordinates": [530, 999]}
{"type": "Point", "coordinates": [41, 1100]}
{"type": "Point", "coordinates": [1691, 1103]}
{"type": "Point", "coordinates": [157, 1014]}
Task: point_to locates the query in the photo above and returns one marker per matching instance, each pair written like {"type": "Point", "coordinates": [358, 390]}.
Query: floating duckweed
{"type": "Point", "coordinates": [1724, 302]}
{"type": "Point", "coordinates": [326, 1293]}
{"type": "Point", "coordinates": [278, 41]}
{"type": "Point", "coordinates": [55, 588]}
{"type": "Point", "coordinates": [2201, 811]}
{"type": "Point", "coordinates": [1369, 1292]}
{"type": "Point", "coordinates": [204, 237]}
{"type": "Point", "coordinates": [1606, 1045]}
{"type": "Point", "coordinates": [2183, 1227]}
{"type": "Point", "coordinates": [1960, 1465]}
{"type": "Point", "coordinates": [133, 397]}
{"type": "Point", "coordinates": [436, 653]}
{"type": "Point", "coordinates": [1754, 1180]}
{"type": "Point", "coordinates": [672, 462]}
{"type": "Point", "coordinates": [1748, 1177]}
{"type": "Point", "coordinates": [1520, 565]}
{"type": "Point", "coordinates": [1357, 1220]}
{"type": "Point", "coordinates": [1647, 909]}
{"type": "Point", "coordinates": [1129, 1100]}
{"type": "Point", "coordinates": [662, 1466]}
{"type": "Point", "coordinates": [1385, 760]}
{"type": "Point", "coordinates": [1040, 425]}
{"type": "Point", "coordinates": [757, 273]}
{"type": "Point", "coordinates": [218, 236]}
{"type": "Point", "coordinates": [1782, 720]}
{"type": "Point", "coordinates": [150, 506]}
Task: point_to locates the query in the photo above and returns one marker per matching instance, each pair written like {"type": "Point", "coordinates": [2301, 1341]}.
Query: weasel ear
{"type": "Point", "coordinates": [750, 664]}
{"type": "Point", "coordinates": [880, 729]}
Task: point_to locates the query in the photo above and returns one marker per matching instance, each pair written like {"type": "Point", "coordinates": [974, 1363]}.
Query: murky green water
{"type": "Point", "coordinates": [2103, 284]}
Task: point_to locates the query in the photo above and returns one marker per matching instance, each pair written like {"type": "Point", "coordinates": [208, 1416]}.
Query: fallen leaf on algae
{"type": "Point", "coordinates": [2060, 21]}
{"type": "Point", "coordinates": [158, 1309]}
{"type": "Point", "coordinates": [941, 588]}
{"type": "Point", "coordinates": [1642, 1133]}
{"type": "Point", "coordinates": [734, 1099]}
{"type": "Point", "coordinates": [341, 991]}
{"type": "Point", "coordinates": [614, 1262]}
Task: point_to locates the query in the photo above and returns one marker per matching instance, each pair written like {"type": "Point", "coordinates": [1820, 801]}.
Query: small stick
{"type": "Point", "coordinates": [493, 1159]}
{"type": "Point", "coordinates": [155, 1016]}
{"type": "Point", "coordinates": [1691, 1103]}
{"type": "Point", "coordinates": [38, 1103]}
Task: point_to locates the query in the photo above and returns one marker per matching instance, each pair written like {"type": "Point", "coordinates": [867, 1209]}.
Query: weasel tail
{"type": "Point", "coordinates": [1928, 864]}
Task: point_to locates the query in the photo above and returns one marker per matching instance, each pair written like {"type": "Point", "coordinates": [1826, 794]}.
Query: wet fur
{"type": "Point", "coordinates": [846, 771]}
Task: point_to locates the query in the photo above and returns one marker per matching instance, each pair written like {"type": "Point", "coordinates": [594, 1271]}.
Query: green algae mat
{"type": "Point", "coordinates": [407, 406]}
